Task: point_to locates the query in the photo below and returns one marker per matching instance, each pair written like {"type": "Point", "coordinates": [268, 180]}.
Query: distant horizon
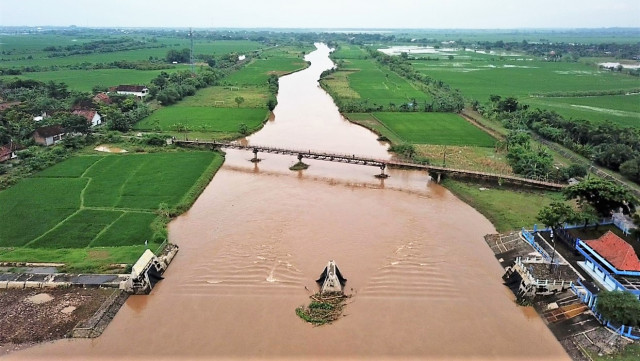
{"type": "Point", "coordinates": [323, 28]}
{"type": "Point", "coordinates": [330, 14]}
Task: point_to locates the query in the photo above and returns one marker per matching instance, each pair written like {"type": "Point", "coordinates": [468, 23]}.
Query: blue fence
{"type": "Point", "coordinates": [530, 238]}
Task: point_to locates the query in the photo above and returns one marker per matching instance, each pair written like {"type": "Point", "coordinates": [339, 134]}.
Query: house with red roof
{"type": "Point", "coordinates": [91, 115]}
{"type": "Point", "coordinates": [613, 265]}
{"type": "Point", "coordinates": [8, 151]}
{"type": "Point", "coordinates": [139, 91]}
{"type": "Point", "coordinates": [102, 98]}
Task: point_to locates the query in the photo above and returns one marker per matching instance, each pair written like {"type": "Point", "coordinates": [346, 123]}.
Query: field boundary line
{"type": "Point", "coordinates": [387, 128]}
{"type": "Point", "coordinates": [52, 228]}
{"type": "Point", "coordinates": [82, 191]}
{"type": "Point", "coordinates": [105, 229]}
{"type": "Point", "coordinates": [127, 181]}
{"type": "Point", "coordinates": [83, 175]}
{"type": "Point", "coordinates": [129, 210]}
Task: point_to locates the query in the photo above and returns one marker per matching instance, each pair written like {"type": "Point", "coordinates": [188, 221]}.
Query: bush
{"type": "Point", "coordinates": [619, 307]}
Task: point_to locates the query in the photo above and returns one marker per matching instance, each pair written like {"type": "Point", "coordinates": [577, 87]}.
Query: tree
{"type": "Point", "coordinates": [631, 169]}
{"type": "Point", "coordinates": [603, 195]}
{"type": "Point", "coordinates": [239, 100]}
{"type": "Point", "coordinates": [620, 307]}
{"type": "Point", "coordinates": [556, 214]}
{"type": "Point", "coordinates": [75, 124]}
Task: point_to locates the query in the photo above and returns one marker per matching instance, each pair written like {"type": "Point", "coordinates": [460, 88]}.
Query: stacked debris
{"type": "Point", "coordinates": [326, 306]}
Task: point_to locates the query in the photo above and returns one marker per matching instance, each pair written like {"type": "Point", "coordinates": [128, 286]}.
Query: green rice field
{"type": "Point", "coordinates": [97, 203]}
{"type": "Point", "coordinates": [203, 119]}
{"type": "Point", "coordinates": [380, 86]}
{"type": "Point", "coordinates": [258, 71]}
{"type": "Point", "coordinates": [434, 128]}
{"type": "Point", "coordinates": [529, 79]}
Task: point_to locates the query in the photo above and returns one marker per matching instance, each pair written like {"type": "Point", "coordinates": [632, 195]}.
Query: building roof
{"type": "Point", "coordinates": [131, 88]}
{"type": "Point", "coordinates": [86, 113]}
{"type": "Point", "coordinates": [50, 130]}
{"type": "Point", "coordinates": [616, 251]}
{"type": "Point", "coordinates": [8, 105]}
{"type": "Point", "coordinates": [102, 98]}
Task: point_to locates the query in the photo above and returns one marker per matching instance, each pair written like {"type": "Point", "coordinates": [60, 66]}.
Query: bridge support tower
{"type": "Point", "coordinates": [382, 173]}
{"type": "Point", "coordinates": [255, 158]}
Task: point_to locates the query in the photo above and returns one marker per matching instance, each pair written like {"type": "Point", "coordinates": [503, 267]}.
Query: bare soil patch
{"type": "Point", "coordinates": [30, 316]}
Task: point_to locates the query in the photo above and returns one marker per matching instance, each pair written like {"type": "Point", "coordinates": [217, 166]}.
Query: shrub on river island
{"type": "Point", "coordinates": [299, 166]}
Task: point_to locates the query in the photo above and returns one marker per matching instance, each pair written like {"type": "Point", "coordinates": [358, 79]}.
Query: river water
{"type": "Point", "coordinates": [424, 283]}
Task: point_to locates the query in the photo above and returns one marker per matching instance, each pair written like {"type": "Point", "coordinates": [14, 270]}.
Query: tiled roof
{"type": "Point", "coordinates": [102, 98]}
{"type": "Point", "coordinates": [50, 131]}
{"type": "Point", "coordinates": [130, 88]}
{"type": "Point", "coordinates": [616, 251]}
{"type": "Point", "coordinates": [86, 113]}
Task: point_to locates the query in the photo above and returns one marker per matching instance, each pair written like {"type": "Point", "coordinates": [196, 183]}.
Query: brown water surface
{"type": "Point", "coordinates": [424, 283]}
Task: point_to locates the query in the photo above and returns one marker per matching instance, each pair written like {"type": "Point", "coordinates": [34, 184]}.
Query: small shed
{"type": "Point", "coordinates": [48, 135]}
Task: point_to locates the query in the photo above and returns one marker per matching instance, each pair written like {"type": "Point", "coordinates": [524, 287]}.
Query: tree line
{"type": "Point", "coordinates": [607, 144]}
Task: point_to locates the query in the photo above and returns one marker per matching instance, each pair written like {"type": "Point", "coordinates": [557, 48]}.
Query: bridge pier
{"type": "Point", "coordinates": [255, 158]}
{"type": "Point", "coordinates": [382, 174]}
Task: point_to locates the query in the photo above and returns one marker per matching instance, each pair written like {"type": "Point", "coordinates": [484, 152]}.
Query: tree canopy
{"type": "Point", "coordinates": [603, 195]}
{"type": "Point", "coordinates": [621, 307]}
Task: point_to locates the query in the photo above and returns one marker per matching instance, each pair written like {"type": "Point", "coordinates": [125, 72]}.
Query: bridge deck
{"type": "Point", "coordinates": [363, 160]}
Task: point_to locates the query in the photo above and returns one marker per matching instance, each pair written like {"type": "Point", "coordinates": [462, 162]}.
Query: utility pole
{"type": "Point", "coordinates": [553, 254]}
{"type": "Point", "coordinates": [191, 52]}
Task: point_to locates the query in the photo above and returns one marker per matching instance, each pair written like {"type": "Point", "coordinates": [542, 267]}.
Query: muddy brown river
{"type": "Point", "coordinates": [424, 284]}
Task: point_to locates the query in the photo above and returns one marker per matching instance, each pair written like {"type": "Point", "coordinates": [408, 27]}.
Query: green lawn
{"type": "Point", "coordinates": [507, 208]}
{"type": "Point", "coordinates": [204, 119]}
{"type": "Point", "coordinates": [89, 206]}
{"type": "Point", "coordinates": [434, 128]}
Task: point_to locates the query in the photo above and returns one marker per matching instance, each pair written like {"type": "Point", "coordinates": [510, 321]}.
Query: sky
{"type": "Point", "coordinates": [324, 14]}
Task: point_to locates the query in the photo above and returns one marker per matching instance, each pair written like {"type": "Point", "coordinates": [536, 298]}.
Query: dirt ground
{"type": "Point", "coordinates": [30, 316]}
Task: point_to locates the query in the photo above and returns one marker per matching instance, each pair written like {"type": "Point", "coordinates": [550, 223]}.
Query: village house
{"type": "Point", "coordinates": [613, 265]}
{"type": "Point", "coordinates": [92, 116]}
{"type": "Point", "coordinates": [139, 91]}
{"type": "Point", "coordinates": [8, 151]}
{"type": "Point", "coordinates": [102, 98]}
{"type": "Point", "coordinates": [48, 135]}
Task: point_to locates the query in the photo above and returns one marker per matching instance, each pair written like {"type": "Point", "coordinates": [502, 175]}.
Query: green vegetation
{"type": "Point", "coordinates": [524, 77]}
{"type": "Point", "coordinates": [179, 118]}
{"type": "Point", "coordinates": [88, 206]}
{"type": "Point", "coordinates": [323, 309]}
{"type": "Point", "coordinates": [629, 353]}
{"type": "Point", "coordinates": [619, 307]}
{"type": "Point", "coordinates": [434, 128]}
{"type": "Point", "coordinates": [259, 70]}
{"type": "Point", "coordinates": [86, 80]}
{"type": "Point", "coordinates": [506, 208]}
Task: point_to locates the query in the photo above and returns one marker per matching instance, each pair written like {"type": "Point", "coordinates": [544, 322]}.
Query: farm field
{"type": "Point", "coordinates": [18, 48]}
{"type": "Point", "coordinates": [257, 72]}
{"type": "Point", "coordinates": [85, 80]}
{"type": "Point", "coordinates": [203, 119]}
{"type": "Point", "coordinates": [525, 79]}
{"type": "Point", "coordinates": [433, 128]}
{"type": "Point", "coordinates": [625, 108]}
{"type": "Point", "coordinates": [95, 210]}
{"type": "Point", "coordinates": [379, 86]}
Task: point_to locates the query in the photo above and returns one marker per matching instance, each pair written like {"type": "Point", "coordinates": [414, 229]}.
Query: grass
{"type": "Point", "coordinates": [380, 86]}
{"type": "Point", "coordinates": [78, 230]}
{"type": "Point", "coordinates": [203, 119]}
{"type": "Point", "coordinates": [506, 208]}
{"type": "Point", "coordinates": [630, 353]}
{"type": "Point", "coordinates": [466, 157]}
{"type": "Point", "coordinates": [624, 109]}
{"type": "Point", "coordinates": [90, 211]}
{"type": "Point", "coordinates": [254, 97]}
{"type": "Point", "coordinates": [259, 70]}
{"type": "Point", "coordinates": [34, 206]}
{"type": "Point", "coordinates": [522, 77]}
{"type": "Point", "coordinates": [434, 128]}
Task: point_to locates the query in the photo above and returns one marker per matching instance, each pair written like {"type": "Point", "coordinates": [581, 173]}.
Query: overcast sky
{"type": "Point", "coordinates": [461, 14]}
